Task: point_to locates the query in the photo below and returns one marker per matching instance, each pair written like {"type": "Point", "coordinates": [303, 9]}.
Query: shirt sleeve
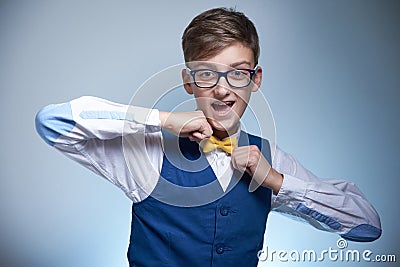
{"type": "Point", "coordinates": [327, 204]}
{"type": "Point", "coordinates": [108, 138]}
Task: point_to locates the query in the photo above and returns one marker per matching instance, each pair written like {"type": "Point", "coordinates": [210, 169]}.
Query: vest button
{"type": "Point", "coordinates": [224, 211]}
{"type": "Point", "coordinates": [220, 249]}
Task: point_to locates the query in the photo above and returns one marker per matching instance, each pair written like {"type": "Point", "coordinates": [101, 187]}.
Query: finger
{"type": "Point", "coordinates": [206, 129]}
{"type": "Point", "coordinates": [196, 136]}
{"type": "Point", "coordinates": [255, 181]}
{"type": "Point", "coordinates": [239, 161]}
{"type": "Point", "coordinates": [250, 159]}
{"type": "Point", "coordinates": [253, 185]}
{"type": "Point", "coordinates": [191, 138]}
{"type": "Point", "coordinates": [241, 155]}
{"type": "Point", "coordinates": [260, 174]}
{"type": "Point", "coordinates": [243, 149]}
{"type": "Point", "coordinates": [233, 161]}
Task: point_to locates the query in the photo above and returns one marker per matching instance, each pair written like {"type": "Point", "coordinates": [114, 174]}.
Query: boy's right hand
{"type": "Point", "coordinates": [192, 124]}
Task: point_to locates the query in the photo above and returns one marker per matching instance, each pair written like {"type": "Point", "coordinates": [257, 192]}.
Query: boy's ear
{"type": "Point", "coordinates": [187, 82]}
{"type": "Point", "coordinates": [257, 79]}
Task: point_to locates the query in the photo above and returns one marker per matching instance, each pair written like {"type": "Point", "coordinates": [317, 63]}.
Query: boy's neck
{"type": "Point", "coordinates": [224, 134]}
{"type": "Point", "coordinates": [220, 134]}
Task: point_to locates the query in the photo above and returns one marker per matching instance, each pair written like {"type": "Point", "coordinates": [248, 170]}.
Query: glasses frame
{"type": "Point", "coordinates": [222, 74]}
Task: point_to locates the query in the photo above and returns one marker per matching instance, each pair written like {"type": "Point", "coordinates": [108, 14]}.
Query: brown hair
{"type": "Point", "coordinates": [213, 30]}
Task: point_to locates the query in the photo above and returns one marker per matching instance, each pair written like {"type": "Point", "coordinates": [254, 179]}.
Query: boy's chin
{"type": "Point", "coordinates": [221, 127]}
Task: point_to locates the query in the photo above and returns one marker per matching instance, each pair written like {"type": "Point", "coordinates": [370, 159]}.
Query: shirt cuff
{"type": "Point", "coordinates": [291, 193]}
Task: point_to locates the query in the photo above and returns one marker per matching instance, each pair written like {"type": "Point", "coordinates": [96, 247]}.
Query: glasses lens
{"type": "Point", "coordinates": [239, 78]}
{"type": "Point", "coordinates": [206, 78]}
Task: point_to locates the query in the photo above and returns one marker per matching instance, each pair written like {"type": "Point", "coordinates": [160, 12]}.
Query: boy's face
{"type": "Point", "coordinates": [223, 105]}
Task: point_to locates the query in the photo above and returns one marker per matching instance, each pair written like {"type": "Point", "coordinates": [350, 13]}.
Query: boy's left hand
{"type": "Point", "coordinates": [250, 159]}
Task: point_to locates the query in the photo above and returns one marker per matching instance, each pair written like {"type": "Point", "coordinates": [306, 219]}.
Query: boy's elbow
{"type": "Point", "coordinates": [53, 121]}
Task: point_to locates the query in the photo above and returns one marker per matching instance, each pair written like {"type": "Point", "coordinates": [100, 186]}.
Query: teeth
{"type": "Point", "coordinates": [223, 103]}
{"type": "Point", "coordinates": [222, 107]}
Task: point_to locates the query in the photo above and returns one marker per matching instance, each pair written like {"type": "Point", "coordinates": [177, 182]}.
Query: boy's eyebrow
{"type": "Point", "coordinates": [205, 65]}
{"type": "Point", "coordinates": [233, 65]}
{"type": "Point", "coordinates": [212, 65]}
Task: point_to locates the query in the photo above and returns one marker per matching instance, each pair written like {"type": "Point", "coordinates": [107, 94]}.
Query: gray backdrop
{"type": "Point", "coordinates": [331, 75]}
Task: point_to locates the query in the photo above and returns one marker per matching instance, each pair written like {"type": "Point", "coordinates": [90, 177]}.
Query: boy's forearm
{"type": "Point", "coordinates": [163, 115]}
{"type": "Point", "coordinates": [192, 124]}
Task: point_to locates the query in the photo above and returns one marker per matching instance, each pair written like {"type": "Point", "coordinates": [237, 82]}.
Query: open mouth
{"type": "Point", "coordinates": [222, 107]}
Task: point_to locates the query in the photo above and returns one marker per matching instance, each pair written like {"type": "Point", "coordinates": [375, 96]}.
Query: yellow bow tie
{"type": "Point", "coordinates": [226, 145]}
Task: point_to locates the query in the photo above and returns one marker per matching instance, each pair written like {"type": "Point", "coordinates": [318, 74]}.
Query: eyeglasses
{"type": "Point", "coordinates": [236, 78]}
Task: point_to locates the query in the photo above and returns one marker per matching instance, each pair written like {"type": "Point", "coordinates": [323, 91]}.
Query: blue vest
{"type": "Point", "coordinates": [177, 226]}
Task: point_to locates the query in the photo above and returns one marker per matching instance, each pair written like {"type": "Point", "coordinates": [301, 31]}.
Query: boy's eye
{"type": "Point", "coordinates": [237, 74]}
{"type": "Point", "coordinates": [206, 74]}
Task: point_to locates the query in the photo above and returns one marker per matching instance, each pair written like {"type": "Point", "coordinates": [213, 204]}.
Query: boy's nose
{"type": "Point", "coordinates": [222, 87]}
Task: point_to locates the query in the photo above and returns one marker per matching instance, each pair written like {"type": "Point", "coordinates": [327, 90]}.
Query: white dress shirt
{"type": "Point", "coordinates": [91, 131]}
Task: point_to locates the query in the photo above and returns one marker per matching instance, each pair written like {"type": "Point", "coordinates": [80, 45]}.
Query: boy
{"type": "Point", "coordinates": [171, 227]}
